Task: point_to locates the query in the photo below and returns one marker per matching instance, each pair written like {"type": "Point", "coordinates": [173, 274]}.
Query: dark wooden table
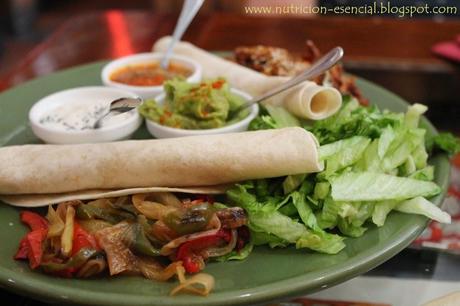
{"type": "Point", "coordinates": [393, 52]}
{"type": "Point", "coordinates": [382, 43]}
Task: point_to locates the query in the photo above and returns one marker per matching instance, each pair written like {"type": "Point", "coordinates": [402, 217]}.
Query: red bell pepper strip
{"type": "Point", "coordinates": [193, 264]}
{"type": "Point", "coordinates": [23, 250]}
{"type": "Point", "coordinates": [187, 251]}
{"type": "Point", "coordinates": [35, 240]}
{"type": "Point", "coordinates": [33, 220]}
{"type": "Point", "coordinates": [82, 239]}
{"type": "Point", "coordinates": [31, 245]}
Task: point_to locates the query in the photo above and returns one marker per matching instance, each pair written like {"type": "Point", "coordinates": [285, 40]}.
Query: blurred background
{"type": "Point", "coordinates": [40, 36]}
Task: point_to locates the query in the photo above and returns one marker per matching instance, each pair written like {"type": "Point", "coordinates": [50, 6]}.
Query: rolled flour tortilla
{"type": "Point", "coordinates": [307, 100]}
{"type": "Point", "coordinates": [177, 162]}
{"type": "Point", "coordinates": [38, 200]}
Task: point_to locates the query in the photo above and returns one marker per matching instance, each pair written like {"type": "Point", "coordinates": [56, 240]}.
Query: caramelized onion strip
{"type": "Point", "coordinates": [152, 210]}
{"type": "Point", "coordinates": [200, 284]}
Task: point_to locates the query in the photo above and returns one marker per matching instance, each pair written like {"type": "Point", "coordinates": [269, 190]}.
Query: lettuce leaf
{"type": "Point", "coordinates": [262, 122]}
{"type": "Point", "coordinates": [321, 242]}
{"type": "Point", "coordinates": [273, 117]}
{"type": "Point", "coordinates": [282, 117]}
{"type": "Point", "coordinates": [292, 182]}
{"type": "Point", "coordinates": [413, 114]}
{"type": "Point", "coordinates": [349, 152]}
{"type": "Point", "coordinates": [237, 255]}
{"type": "Point", "coordinates": [263, 238]}
{"type": "Point", "coordinates": [381, 211]}
{"type": "Point", "coordinates": [385, 140]}
{"type": "Point", "coordinates": [274, 228]}
{"type": "Point", "coordinates": [425, 174]}
{"type": "Point", "coordinates": [370, 186]}
{"type": "Point", "coordinates": [349, 229]}
{"type": "Point", "coordinates": [277, 224]}
{"type": "Point", "coordinates": [422, 206]}
{"type": "Point", "coordinates": [370, 160]}
{"type": "Point", "coordinates": [402, 147]}
{"type": "Point", "coordinates": [354, 120]}
{"type": "Point", "coordinates": [445, 142]}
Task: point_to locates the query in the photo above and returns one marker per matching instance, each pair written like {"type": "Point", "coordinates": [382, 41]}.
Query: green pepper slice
{"type": "Point", "coordinates": [75, 262]}
{"type": "Point", "coordinates": [141, 243]}
{"type": "Point", "coordinates": [191, 220]}
{"type": "Point", "coordinates": [113, 216]}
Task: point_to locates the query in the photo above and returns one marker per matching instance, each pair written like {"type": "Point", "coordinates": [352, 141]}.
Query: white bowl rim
{"type": "Point", "coordinates": [185, 132]}
{"type": "Point", "coordinates": [35, 120]}
{"type": "Point", "coordinates": [122, 61]}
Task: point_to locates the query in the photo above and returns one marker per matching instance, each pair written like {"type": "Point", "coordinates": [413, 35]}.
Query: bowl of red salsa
{"type": "Point", "coordinates": [142, 74]}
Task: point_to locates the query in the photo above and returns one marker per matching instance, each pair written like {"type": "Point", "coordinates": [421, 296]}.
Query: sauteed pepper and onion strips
{"type": "Point", "coordinates": [156, 235]}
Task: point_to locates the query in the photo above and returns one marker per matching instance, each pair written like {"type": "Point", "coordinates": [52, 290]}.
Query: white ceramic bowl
{"type": "Point", "coordinates": [162, 131]}
{"type": "Point", "coordinates": [120, 128]}
{"type": "Point", "coordinates": [145, 58]}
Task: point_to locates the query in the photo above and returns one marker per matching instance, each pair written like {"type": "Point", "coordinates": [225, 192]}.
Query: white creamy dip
{"type": "Point", "coordinates": [82, 115]}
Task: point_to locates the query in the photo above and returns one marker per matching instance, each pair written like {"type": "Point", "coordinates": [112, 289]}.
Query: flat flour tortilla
{"type": "Point", "coordinates": [38, 200]}
{"type": "Point", "coordinates": [306, 100]}
{"type": "Point", "coordinates": [50, 172]}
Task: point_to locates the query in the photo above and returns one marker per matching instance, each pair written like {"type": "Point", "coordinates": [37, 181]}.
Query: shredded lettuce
{"type": "Point", "coordinates": [413, 114]}
{"type": "Point", "coordinates": [282, 117]}
{"type": "Point", "coordinates": [292, 182]}
{"type": "Point", "coordinates": [445, 142]}
{"type": "Point", "coordinates": [321, 190]}
{"type": "Point", "coordinates": [354, 120]}
{"type": "Point", "coordinates": [402, 147]}
{"type": "Point", "coordinates": [305, 211]}
{"type": "Point", "coordinates": [273, 117]}
{"type": "Point", "coordinates": [424, 174]}
{"type": "Point", "coordinates": [375, 161]}
{"type": "Point", "coordinates": [277, 229]}
{"type": "Point", "coordinates": [349, 152]}
{"type": "Point", "coordinates": [262, 122]}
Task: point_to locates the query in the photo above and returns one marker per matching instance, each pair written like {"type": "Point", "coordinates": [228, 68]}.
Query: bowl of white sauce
{"type": "Point", "coordinates": [68, 116]}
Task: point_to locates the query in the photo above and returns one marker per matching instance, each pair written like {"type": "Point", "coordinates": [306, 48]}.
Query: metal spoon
{"type": "Point", "coordinates": [189, 10]}
{"type": "Point", "coordinates": [318, 67]}
{"type": "Point", "coordinates": [120, 106]}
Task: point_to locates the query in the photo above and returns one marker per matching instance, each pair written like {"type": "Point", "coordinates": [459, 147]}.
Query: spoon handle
{"type": "Point", "coordinates": [318, 67]}
{"type": "Point", "coordinates": [188, 12]}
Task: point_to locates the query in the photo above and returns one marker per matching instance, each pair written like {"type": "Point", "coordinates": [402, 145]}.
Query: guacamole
{"type": "Point", "coordinates": [205, 105]}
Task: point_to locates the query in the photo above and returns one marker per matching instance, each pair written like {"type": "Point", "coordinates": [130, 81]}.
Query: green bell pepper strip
{"type": "Point", "coordinates": [72, 265]}
{"type": "Point", "coordinates": [192, 220]}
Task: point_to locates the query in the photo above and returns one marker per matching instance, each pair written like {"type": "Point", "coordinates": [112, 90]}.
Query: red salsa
{"type": "Point", "coordinates": [149, 74]}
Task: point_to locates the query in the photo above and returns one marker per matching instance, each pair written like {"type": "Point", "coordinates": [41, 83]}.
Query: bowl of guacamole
{"type": "Point", "coordinates": [187, 109]}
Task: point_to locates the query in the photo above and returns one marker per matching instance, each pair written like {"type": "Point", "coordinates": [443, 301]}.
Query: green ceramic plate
{"type": "Point", "coordinates": [266, 275]}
